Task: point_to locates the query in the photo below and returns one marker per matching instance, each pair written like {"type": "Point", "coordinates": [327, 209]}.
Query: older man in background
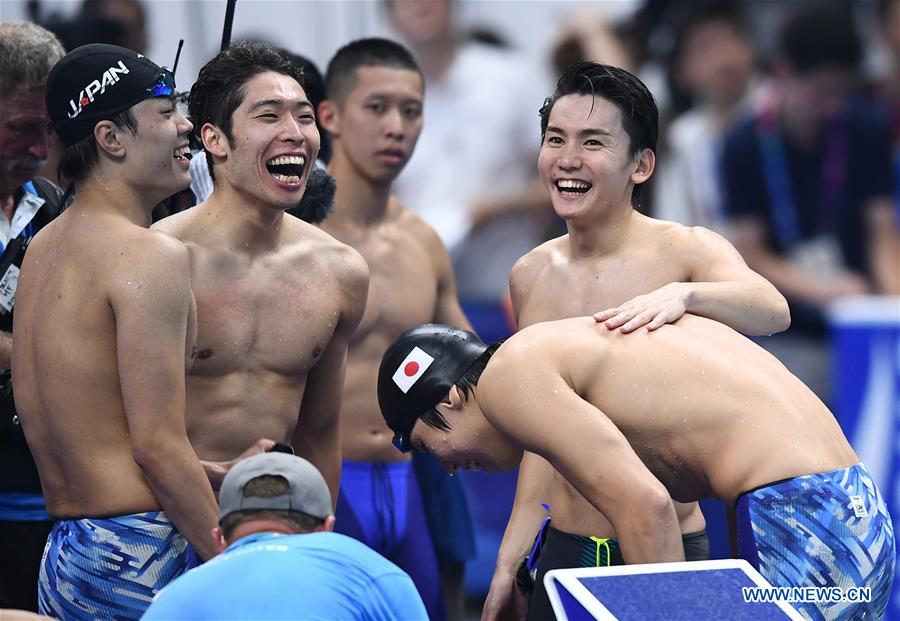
{"type": "Point", "coordinates": [27, 53]}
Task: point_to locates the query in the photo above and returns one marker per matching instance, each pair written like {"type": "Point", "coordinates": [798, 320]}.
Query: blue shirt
{"type": "Point", "coordinates": [317, 576]}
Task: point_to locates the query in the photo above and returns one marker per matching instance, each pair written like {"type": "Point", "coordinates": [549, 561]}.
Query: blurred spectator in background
{"type": "Point", "coordinates": [473, 177]}
{"type": "Point", "coordinates": [588, 35]}
{"type": "Point", "coordinates": [809, 189]}
{"type": "Point", "coordinates": [713, 64]}
{"type": "Point", "coordinates": [887, 84]}
{"type": "Point", "coordinates": [27, 203]}
{"type": "Point", "coordinates": [118, 22]}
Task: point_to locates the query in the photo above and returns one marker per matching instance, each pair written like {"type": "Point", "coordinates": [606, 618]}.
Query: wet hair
{"type": "Point", "coordinates": [640, 116]}
{"type": "Point", "coordinates": [221, 86]}
{"type": "Point", "coordinates": [78, 160]}
{"type": "Point", "coordinates": [268, 486]}
{"type": "Point", "coordinates": [465, 384]}
{"type": "Point", "coordinates": [819, 37]}
{"type": "Point", "coordinates": [27, 53]}
{"type": "Point", "coordinates": [340, 77]}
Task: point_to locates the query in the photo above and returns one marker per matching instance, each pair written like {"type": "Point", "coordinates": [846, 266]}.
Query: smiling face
{"type": "Point", "coordinates": [158, 154]}
{"type": "Point", "coordinates": [376, 127]}
{"type": "Point", "coordinates": [24, 136]}
{"type": "Point", "coordinates": [584, 159]}
{"type": "Point", "coordinates": [275, 142]}
{"type": "Point", "coordinates": [472, 442]}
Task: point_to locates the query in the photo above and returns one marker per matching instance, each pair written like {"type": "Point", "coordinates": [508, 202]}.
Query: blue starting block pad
{"type": "Point", "coordinates": [695, 591]}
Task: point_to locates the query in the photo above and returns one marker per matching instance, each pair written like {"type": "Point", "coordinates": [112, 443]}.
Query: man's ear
{"type": "Point", "coordinates": [646, 162]}
{"type": "Point", "coordinates": [219, 539]}
{"type": "Point", "coordinates": [106, 133]}
{"type": "Point", "coordinates": [214, 140]}
{"type": "Point", "coordinates": [329, 117]}
{"type": "Point", "coordinates": [327, 526]}
{"type": "Point", "coordinates": [456, 399]}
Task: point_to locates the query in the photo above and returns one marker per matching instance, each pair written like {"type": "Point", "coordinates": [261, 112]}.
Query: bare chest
{"type": "Point", "coordinates": [262, 316]}
{"type": "Point", "coordinates": [403, 290]}
{"type": "Point", "coordinates": [574, 290]}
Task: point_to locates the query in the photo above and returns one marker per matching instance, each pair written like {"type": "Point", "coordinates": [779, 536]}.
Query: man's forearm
{"type": "Point", "coordinates": [789, 279]}
{"type": "Point", "coordinates": [650, 533]}
{"type": "Point", "coordinates": [215, 472]}
{"type": "Point", "coordinates": [884, 246]}
{"type": "Point", "coordinates": [753, 308]}
{"type": "Point", "coordinates": [527, 513]}
{"type": "Point", "coordinates": [6, 345]}
{"type": "Point", "coordinates": [180, 485]}
{"type": "Point", "coordinates": [323, 450]}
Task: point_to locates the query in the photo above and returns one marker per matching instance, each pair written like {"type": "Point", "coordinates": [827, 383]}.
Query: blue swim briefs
{"type": "Point", "coordinates": [822, 530]}
{"type": "Point", "coordinates": [109, 568]}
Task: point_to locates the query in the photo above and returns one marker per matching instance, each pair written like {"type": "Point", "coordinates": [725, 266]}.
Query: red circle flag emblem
{"type": "Point", "coordinates": [411, 369]}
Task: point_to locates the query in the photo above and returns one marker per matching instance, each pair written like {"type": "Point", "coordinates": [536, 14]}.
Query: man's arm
{"type": "Point", "coordinates": [151, 309]}
{"type": "Point", "coordinates": [532, 404]}
{"type": "Point", "coordinates": [216, 470]}
{"type": "Point", "coordinates": [719, 286]}
{"type": "Point", "coordinates": [784, 274]}
{"type": "Point", "coordinates": [532, 202]}
{"type": "Point", "coordinates": [6, 343]}
{"type": "Point", "coordinates": [884, 245]}
{"type": "Point", "coordinates": [504, 599]}
{"type": "Point", "coordinates": [447, 309]}
{"type": "Point", "coordinates": [316, 437]}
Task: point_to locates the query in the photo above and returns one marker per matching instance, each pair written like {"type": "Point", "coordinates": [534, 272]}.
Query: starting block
{"type": "Point", "coordinates": [695, 591]}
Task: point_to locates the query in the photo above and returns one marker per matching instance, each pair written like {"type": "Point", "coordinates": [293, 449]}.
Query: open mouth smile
{"type": "Point", "coordinates": [287, 169]}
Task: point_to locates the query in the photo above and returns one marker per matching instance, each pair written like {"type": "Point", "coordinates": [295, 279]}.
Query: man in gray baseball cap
{"type": "Point", "coordinates": [280, 559]}
{"type": "Point", "coordinates": [274, 486]}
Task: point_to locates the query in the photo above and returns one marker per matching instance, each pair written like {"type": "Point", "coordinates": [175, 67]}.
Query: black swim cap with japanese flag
{"type": "Point", "coordinates": [417, 371]}
{"type": "Point", "coordinates": [96, 82]}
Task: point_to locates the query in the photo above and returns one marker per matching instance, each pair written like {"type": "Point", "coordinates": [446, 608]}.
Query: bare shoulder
{"type": "Point", "coordinates": [406, 220]}
{"type": "Point", "coordinates": [687, 246]}
{"type": "Point", "coordinates": [343, 262]}
{"type": "Point", "coordinates": [166, 245]}
{"type": "Point", "coordinates": [149, 251]}
{"type": "Point", "coordinates": [180, 223]}
{"type": "Point", "coordinates": [531, 355]}
{"type": "Point", "coordinates": [682, 236]}
{"type": "Point", "coordinates": [148, 270]}
{"type": "Point", "coordinates": [529, 266]}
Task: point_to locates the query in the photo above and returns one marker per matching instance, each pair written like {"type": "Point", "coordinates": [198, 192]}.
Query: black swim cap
{"type": "Point", "coordinates": [96, 82]}
{"type": "Point", "coordinates": [419, 368]}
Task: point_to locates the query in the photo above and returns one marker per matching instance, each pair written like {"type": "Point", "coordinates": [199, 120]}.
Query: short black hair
{"type": "Point", "coordinates": [640, 116]}
{"type": "Point", "coordinates": [340, 76]}
{"type": "Point", "coordinates": [469, 379]}
{"type": "Point", "coordinates": [820, 37]}
{"type": "Point", "coordinates": [78, 160]}
{"type": "Point", "coordinates": [221, 86]}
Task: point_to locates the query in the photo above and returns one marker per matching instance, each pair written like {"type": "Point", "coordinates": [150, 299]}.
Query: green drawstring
{"type": "Point", "coordinates": [604, 543]}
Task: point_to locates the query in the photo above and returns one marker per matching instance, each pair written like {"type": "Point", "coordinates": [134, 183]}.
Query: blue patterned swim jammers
{"type": "Point", "coordinates": [822, 530]}
{"type": "Point", "coordinates": [109, 568]}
